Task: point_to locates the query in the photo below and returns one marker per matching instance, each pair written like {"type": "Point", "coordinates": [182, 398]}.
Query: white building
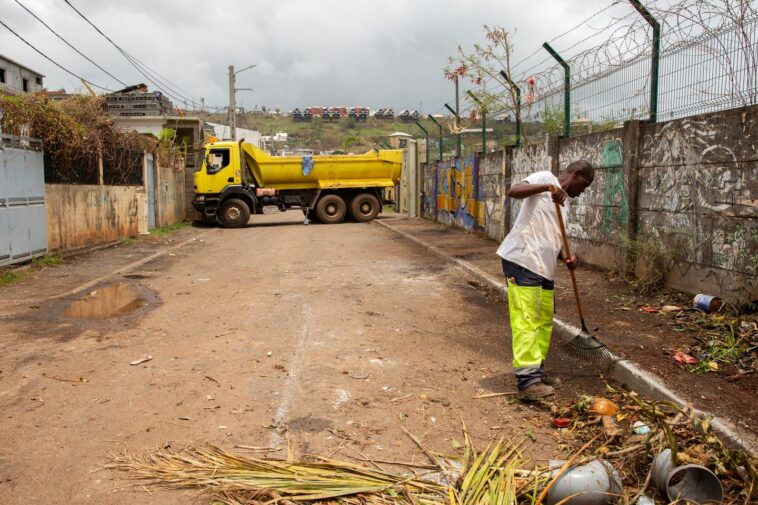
{"type": "Point", "coordinates": [16, 78]}
{"type": "Point", "coordinates": [224, 132]}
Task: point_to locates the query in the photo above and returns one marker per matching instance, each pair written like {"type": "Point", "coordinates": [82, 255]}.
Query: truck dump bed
{"type": "Point", "coordinates": [374, 169]}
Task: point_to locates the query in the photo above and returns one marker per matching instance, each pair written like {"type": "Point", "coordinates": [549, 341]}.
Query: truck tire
{"type": "Point", "coordinates": [365, 207]}
{"type": "Point", "coordinates": [233, 213]}
{"type": "Point", "coordinates": [331, 209]}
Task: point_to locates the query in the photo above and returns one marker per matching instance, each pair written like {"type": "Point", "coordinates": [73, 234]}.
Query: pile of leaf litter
{"type": "Point", "coordinates": [499, 474]}
{"type": "Point", "coordinates": [629, 432]}
{"type": "Point", "coordinates": [725, 342]}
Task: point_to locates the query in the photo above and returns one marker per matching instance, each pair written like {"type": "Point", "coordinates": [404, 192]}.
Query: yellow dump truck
{"type": "Point", "coordinates": [236, 179]}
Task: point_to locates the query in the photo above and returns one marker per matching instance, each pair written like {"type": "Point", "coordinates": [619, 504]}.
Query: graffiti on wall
{"type": "Point", "coordinates": [613, 189]}
{"type": "Point", "coordinates": [491, 183]}
{"type": "Point", "coordinates": [697, 174]}
{"type": "Point", "coordinates": [429, 191]}
{"type": "Point", "coordinates": [459, 198]}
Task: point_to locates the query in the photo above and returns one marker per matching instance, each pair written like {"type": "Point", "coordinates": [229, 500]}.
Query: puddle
{"type": "Point", "coordinates": [106, 302]}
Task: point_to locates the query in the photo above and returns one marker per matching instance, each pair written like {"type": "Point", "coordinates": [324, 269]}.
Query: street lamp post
{"type": "Point", "coordinates": [232, 98]}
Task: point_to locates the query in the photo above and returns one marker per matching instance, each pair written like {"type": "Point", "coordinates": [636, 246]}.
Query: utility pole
{"type": "Point", "coordinates": [232, 102]}
{"type": "Point", "coordinates": [232, 105]}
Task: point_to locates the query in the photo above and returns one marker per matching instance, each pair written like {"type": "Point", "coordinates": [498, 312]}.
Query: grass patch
{"type": "Point", "coordinates": [9, 277]}
{"type": "Point", "coordinates": [127, 241]}
{"type": "Point", "coordinates": [166, 230]}
{"type": "Point", "coordinates": [48, 260]}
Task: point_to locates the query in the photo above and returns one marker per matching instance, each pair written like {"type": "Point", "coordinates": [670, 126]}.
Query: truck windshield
{"type": "Point", "coordinates": [216, 160]}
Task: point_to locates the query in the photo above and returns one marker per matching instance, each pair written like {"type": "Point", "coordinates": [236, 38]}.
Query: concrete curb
{"type": "Point", "coordinates": [624, 371]}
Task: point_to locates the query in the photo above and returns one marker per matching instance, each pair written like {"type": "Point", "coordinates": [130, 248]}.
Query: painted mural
{"type": "Point", "coordinates": [459, 194]}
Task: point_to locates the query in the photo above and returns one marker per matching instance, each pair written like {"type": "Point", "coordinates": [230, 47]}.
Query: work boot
{"type": "Point", "coordinates": [554, 382]}
{"type": "Point", "coordinates": [535, 392]}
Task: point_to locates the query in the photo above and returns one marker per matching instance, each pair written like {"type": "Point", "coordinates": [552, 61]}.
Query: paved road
{"type": "Point", "coordinates": [332, 336]}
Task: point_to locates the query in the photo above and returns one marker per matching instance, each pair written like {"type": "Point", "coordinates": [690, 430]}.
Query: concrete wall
{"type": "Point", "coordinates": [600, 215]}
{"type": "Point", "coordinates": [688, 186]}
{"type": "Point", "coordinates": [87, 215]}
{"type": "Point", "coordinates": [492, 183]}
{"type": "Point", "coordinates": [83, 216]}
{"type": "Point", "coordinates": [698, 192]}
{"type": "Point", "coordinates": [170, 201]}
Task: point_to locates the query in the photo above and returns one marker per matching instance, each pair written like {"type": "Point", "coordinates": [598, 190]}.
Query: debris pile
{"type": "Point", "coordinates": [619, 449]}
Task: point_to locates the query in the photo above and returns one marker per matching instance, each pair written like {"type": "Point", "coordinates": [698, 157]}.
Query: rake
{"type": "Point", "coordinates": [584, 346]}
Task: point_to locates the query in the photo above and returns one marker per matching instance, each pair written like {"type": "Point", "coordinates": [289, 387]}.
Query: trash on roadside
{"type": "Point", "coordinates": [603, 407]}
{"type": "Point", "coordinates": [684, 359]}
{"type": "Point", "coordinates": [670, 308]}
{"type": "Point", "coordinates": [610, 426]}
{"type": "Point", "coordinates": [141, 360]}
{"type": "Point", "coordinates": [561, 422]}
{"type": "Point", "coordinates": [707, 303]}
{"type": "Point", "coordinates": [640, 428]}
{"type": "Point", "coordinates": [686, 483]}
{"type": "Point", "coordinates": [595, 483]}
{"type": "Point", "coordinates": [645, 500]}
{"type": "Point", "coordinates": [649, 310]}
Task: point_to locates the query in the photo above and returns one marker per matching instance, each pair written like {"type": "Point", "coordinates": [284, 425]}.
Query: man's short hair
{"type": "Point", "coordinates": [583, 168]}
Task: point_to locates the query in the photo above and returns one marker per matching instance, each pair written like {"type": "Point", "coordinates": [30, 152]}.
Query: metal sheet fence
{"type": "Point", "coordinates": [23, 224]}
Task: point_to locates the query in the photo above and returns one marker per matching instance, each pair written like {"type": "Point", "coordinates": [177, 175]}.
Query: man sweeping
{"type": "Point", "coordinates": [529, 254]}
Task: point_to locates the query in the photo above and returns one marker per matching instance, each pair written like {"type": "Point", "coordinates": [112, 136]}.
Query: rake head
{"type": "Point", "coordinates": [585, 347]}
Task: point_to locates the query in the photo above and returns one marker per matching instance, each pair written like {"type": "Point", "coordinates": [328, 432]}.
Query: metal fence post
{"type": "Point", "coordinates": [458, 124]}
{"type": "Point", "coordinates": [518, 106]}
{"type": "Point", "coordinates": [426, 134]}
{"type": "Point", "coordinates": [440, 127]}
{"type": "Point", "coordinates": [484, 120]}
{"type": "Point", "coordinates": [566, 89]}
{"type": "Point", "coordinates": [655, 61]}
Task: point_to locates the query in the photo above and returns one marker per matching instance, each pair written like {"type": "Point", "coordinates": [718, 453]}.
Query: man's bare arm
{"type": "Point", "coordinates": [524, 190]}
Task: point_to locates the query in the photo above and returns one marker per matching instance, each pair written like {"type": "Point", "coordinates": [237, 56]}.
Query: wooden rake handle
{"type": "Point", "coordinates": [566, 256]}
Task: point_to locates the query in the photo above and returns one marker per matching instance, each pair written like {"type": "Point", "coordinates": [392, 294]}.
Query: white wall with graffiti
{"type": "Point", "coordinates": [690, 185]}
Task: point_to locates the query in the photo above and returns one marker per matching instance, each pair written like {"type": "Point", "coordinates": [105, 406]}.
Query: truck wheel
{"type": "Point", "coordinates": [234, 213]}
{"type": "Point", "coordinates": [331, 209]}
{"type": "Point", "coordinates": [365, 207]}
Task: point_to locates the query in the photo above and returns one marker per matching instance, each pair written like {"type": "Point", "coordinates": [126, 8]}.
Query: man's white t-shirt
{"type": "Point", "coordinates": [534, 242]}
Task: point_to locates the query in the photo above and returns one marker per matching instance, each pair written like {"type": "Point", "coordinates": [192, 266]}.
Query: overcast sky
{"type": "Point", "coordinates": [387, 53]}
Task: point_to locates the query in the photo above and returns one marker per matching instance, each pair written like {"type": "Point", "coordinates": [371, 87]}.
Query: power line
{"type": "Point", "coordinates": [52, 60]}
{"type": "Point", "coordinates": [68, 44]}
{"type": "Point", "coordinates": [141, 67]}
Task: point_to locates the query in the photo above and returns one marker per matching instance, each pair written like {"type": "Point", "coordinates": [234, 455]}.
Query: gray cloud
{"type": "Point", "coordinates": [326, 52]}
